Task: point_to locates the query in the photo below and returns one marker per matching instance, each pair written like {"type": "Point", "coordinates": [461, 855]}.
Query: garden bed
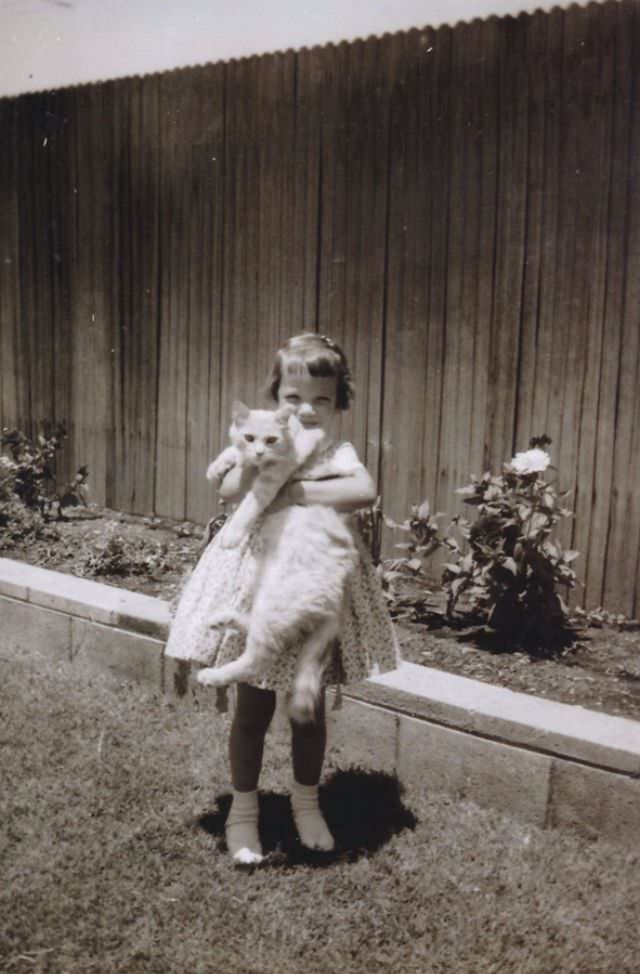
{"type": "Point", "coordinates": [599, 668]}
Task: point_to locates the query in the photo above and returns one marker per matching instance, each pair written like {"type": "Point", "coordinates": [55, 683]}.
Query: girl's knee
{"type": "Point", "coordinates": [254, 711]}
{"type": "Point", "coordinates": [315, 726]}
{"type": "Point", "coordinates": [311, 730]}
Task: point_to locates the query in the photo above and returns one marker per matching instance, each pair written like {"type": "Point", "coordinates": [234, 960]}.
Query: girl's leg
{"type": "Point", "coordinates": [308, 743]}
{"type": "Point", "coordinates": [254, 710]}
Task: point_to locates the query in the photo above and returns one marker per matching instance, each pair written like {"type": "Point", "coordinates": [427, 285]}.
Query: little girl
{"type": "Point", "coordinates": [311, 374]}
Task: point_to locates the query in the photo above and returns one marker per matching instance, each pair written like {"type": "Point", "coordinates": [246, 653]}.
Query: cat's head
{"type": "Point", "coordinates": [262, 435]}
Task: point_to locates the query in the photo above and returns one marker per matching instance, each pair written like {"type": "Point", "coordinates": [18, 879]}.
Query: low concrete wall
{"type": "Point", "coordinates": [543, 762]}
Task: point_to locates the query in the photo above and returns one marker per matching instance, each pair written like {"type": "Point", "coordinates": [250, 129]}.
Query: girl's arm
{"type": "Point", "coordinates": [236, 483]}
{"type": "Point", "coordinates": [346, 493]}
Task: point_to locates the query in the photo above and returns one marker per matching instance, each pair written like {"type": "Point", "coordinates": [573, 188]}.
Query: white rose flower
{"type": "Point", "coordinates": [531, 461]}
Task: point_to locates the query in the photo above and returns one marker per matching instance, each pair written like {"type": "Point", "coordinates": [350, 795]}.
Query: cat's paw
{"type": "Point", "coordinates": [220, 467]}
{"type": "Point", "coordinates": [214, 473]}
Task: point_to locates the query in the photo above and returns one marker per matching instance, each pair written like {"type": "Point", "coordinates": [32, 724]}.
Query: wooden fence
{"type": "Point", "coordinates": [460, 208]}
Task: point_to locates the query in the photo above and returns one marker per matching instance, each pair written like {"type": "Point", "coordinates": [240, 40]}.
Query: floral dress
{"type": "Point", "coordinates": [224, 578]}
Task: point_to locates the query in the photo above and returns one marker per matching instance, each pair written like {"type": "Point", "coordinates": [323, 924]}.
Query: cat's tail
{"type": "Point", "coordinates": [229, 617]}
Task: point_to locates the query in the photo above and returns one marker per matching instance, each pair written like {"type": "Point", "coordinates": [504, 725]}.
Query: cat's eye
{"type": "Point", "coordinates": [270, 440]}
{"type": "Point", "coordinates": [249, 437]}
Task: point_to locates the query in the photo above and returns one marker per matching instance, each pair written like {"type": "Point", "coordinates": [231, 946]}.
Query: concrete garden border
{"type": "Point", "coordinates": [545, 763]}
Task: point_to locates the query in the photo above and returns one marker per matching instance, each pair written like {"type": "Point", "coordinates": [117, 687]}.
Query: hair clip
{"type": "Point", "coordinates": [329, 343]}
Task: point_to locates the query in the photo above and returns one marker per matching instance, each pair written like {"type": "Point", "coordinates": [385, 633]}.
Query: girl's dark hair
{"type": "Point", "coordinates": [318, 356]}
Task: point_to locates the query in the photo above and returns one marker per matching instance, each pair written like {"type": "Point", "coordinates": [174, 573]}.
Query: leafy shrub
{"type": "Point", "coordinates": [508, 572]}
{"type": "Point", "coordinates": [17, 522]}
{"type": "Point", "coordinates": [8, 471]}
{"type": "Point", "coordinates": [424, 538]}
{"type": "Point", "coordinates": [404, 579]}
{"type": "Point", "coordinates": [115, 554]}
{"type": "Point", "coordinates": [29, 473]}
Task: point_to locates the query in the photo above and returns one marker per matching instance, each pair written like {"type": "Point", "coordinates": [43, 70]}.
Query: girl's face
{"type": "Point", "coordinates": [313, 398]}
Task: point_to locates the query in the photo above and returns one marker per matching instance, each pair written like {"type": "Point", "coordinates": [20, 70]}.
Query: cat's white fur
{"type": "Point", "coordinates": [306, 555]}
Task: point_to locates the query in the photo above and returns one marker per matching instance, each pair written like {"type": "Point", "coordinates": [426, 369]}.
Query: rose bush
{"type": "Point", "coordinates": [507, 566]}
{"type": "Point", "coordinates": [29, 473]}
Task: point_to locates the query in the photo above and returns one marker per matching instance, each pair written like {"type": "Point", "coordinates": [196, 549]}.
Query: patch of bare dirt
{"type": "Point", "coordinates": [143, 554]}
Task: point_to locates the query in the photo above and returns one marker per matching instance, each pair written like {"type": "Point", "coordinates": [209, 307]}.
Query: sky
{"type": "Point", "coordinates": [54, 43]}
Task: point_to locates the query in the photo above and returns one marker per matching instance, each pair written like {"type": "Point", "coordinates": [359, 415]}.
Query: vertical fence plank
{"type": "Point", "coordinates": [352, 228]}
{"type": "Point", "coordinates": [436, 150]}
{"type": "Point", "coordinates": [622, 575]}
{"type": "Point", "coordinates": [306, 177]}
{"type": "Point", "coordinates": [88, 247]}
{"type": "Point", "coordinates": [176, 109]}
{"type": "Point", "coordinates": [240, 365]}
{"type": "Point", "coordinates": [582, 245]}
{"type": "Point", "coordinates": [486, 132]}
{"type": "Point", "coordinates": [278, 299]}
{"type": "Point", "coordinates": [136, 291]}
{"type": "Point", "coordinates": [124, 494]}
{"type": "Point", "coordinates": [529, 420]}
{"type": "Point", "coordinates": [34, 335]}
{"type": "Point", "coordinates": [463, 261]}
{"type": "Point", "coordinates": [411, 199]}
{"type": "Point", "coordinates": [605, 145]}
{"type": "Point", "coordinates": [545, 414]}
{"type": "Point", "coordinates": [204, 144]}
{"type": "Point", "coordinates": [60, 307]}
{"type": "Point", "coordinates": [13, 406]}
{"type": "Point", "coordinates": [510, 214]}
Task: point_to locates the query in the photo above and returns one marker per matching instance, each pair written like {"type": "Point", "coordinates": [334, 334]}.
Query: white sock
{"type": "Point", "coordinates": [241, 828]}
{"type": "Point", "coordinates": [311, 826]}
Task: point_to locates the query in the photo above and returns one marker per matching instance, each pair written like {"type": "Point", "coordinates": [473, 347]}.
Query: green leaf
{"type": "Point", "coordinates": [456, 585]}
{"type": "Point", "coordinates": [536, 524]}
{"type": "Point", "coordinates": [548, 499]}
{"type": "Point", "coordinates": [424, 510]}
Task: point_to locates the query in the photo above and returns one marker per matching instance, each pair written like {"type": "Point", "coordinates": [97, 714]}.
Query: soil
{"type": "Point", "coordinates": [598, 667]}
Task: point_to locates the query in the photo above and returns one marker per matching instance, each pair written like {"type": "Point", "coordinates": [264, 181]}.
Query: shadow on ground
{"type": "Point", "coordinates": [363, 809]}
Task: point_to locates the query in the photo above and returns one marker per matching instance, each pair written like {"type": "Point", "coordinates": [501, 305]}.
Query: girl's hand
{"type": "Point", "coordinates": [222, 465]}
{"type": "Point", "coordinates": [344, 494]}
{"type": "Point", "coordinates": [236, 483]}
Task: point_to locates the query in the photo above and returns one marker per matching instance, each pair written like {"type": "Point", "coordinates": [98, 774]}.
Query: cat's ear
{"type": "Point", "coordinates": [284, 414]}
{"type": "Point", "coordinates": [239, 412]}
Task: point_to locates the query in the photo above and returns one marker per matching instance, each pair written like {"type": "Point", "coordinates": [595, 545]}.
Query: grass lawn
{"type": "Point", "coordinates": [113, 803]}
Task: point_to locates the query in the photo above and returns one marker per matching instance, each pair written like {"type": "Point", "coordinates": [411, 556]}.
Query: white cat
{"type": "Point", "coordinates": [306, 555]}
